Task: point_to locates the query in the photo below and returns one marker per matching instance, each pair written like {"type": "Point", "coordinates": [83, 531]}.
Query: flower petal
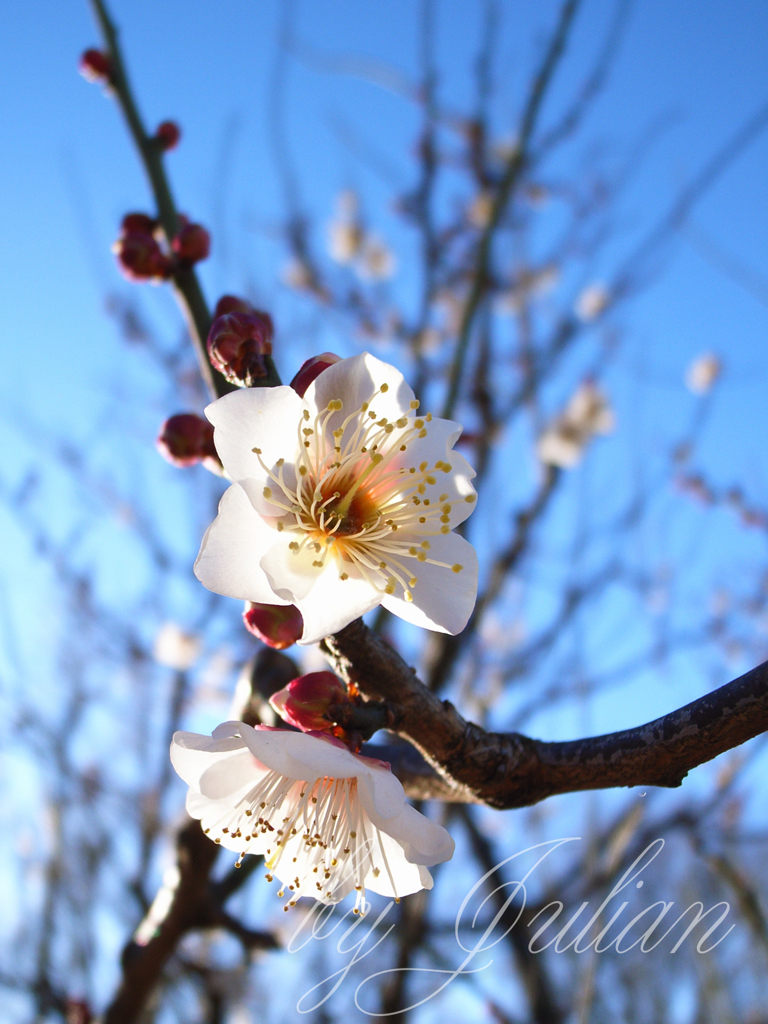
{"type": "Point", "coordinates": [265, 418]}
{"type": "Point", "coordinates": [228, 562]}
{"type": "Point", "coordinates": [326, 602]}
{"type": "Point", "coordinates": [355, 381]}
{"type": "Point", "coordinates": [442, 599]}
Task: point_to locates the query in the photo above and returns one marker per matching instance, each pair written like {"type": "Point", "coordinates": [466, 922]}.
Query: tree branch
{"type": "Point", "coordinates": [506, 770]}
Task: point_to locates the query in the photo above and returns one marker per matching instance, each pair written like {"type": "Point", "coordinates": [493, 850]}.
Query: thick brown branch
{"type": "Point", "coordinates": [511, 770]}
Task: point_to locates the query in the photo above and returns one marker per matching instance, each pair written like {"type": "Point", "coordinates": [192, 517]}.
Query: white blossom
{"type": "Point", "coordinates": [377, 261]}
{"type": "Point", "coordinates": [342, 500]}
{"type": "Point", "coordinates": [175, 648]}
{"type": "Point", "coordinates": [328, 822]}
{"type": "Point", "coordinates": [587, 414]}
{"type": "Point", "coordinates": [703, 373]}
{"type": "Point", "coordinates": [592, 302]}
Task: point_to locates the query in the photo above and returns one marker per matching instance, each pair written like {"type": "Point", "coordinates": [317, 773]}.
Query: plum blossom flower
{"type": "Point", "coordinates": [587, 414]}
{"type": "Point", "coordinates": [341, 500]}
{"type": "Point", "coordinates": [702, 374]}
{"type": "Point", "coordinates": [327, 821]}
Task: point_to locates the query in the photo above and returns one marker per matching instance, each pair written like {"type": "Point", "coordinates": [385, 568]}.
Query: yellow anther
{"type": "Point", "coordinates": [456, 568]}
{"type": "Point", "coordinates": [257, 451]}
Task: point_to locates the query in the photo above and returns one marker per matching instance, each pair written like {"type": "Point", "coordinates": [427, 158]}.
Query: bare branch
{"type": "Point", "coordinates": [511, 770]}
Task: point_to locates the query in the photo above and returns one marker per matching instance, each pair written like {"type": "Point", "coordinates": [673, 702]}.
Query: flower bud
{"type": "Point", "coordinates": [276, 625]}
{"type": "Point", "coordinates": [168, 134]}
{"type": "Point", "coordinates": [186, 439]}
{"type": "Point", "coordinates": [311, 369]}
{"type": "Point", "coordinates": [237, 345]}
{"type": "Point", "coordinates": [95, 66]}
{"type": "Point", "coordinates": [232, 304]}
{"type": "Point", "coordinates": [304, 702]}
{"type": "Point", "coordinates": [137, 223]}
{"type": "Point", "coordinates": [191, 244]}
{"type": "Point", "coordinates": [140, 257]}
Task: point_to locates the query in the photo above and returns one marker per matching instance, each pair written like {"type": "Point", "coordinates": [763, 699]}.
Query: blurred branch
{"type": "Point", "coordinates": [515, 167]}
{"type": "Point", "coordinates": [511, 770]}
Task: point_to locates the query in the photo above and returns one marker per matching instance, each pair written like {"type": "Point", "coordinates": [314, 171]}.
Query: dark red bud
{"type": "Point", "coordinates": [305, 701]}
{"type": "Point", "coordinates": [232, 304]}
{"type": "Point", "coordinates": [141, 223]}
{"type": "Point", "coordinates": [192, 243]}
{"type": "Point", "coordinates": [312, 369]}
{"type": "Point", "coordinates": [141, 259]}
{"type": "Point", "coordinates": [95, 66]}
{"type": "Point", "coordinates": [186, 439]}
{"type": "Point", "coordinates": [168, 134]}
{"type": "Point", "coordinates": [237, 345]}
{"type": "Point", "coordinates": [277, 626]}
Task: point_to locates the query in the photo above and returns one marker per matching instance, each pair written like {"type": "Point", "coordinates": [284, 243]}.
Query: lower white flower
{"type": "Point", "coordinates": [342, 500]}
{"type": "Point", "coordinates": [328, 822]}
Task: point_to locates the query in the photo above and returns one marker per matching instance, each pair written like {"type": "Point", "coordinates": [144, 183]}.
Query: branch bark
{"type": "Point", "coordinates": [506, 770]}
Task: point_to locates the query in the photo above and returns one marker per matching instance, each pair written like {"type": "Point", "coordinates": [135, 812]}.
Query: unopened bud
{"type": "Point", "coordinates": [237, 345]}
{"type": "Point", "coordinates": [168, 134]}
{"type": "Point", "coordinates": [137, 223]}
{"type": "Point", "coordinates": [305, 701]}
{"type": "Point", "coordinates": [95, 66]}
{"type": "Point", "coordinates": [232, 304]}
{"type": "Point", "coordinates": [186, 439]}
{"type": "Point", "coordinates": [191, 244]}
{"type": "Point", "coordinates": [140, 257]}
{"type": "Point", "coordinates": [276, 625]}
{"type": "Point", "coordinates": [312, 369]}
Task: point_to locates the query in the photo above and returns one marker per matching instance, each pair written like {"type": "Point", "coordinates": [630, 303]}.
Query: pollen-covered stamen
{"type": "Point", "coordinates": [354, 497]}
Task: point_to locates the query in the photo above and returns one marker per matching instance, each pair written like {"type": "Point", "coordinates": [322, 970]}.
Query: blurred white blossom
{"type": "Point", "coordinates": [376, 261]}
{"type": "Point", "coordinates": [702, 373]}
{"type": "Point", "coordinates": [175, 648]}
{"type": "Point", "coordinates": [592, 302]}
{"type": "Point", "coordinates": [587, 414]}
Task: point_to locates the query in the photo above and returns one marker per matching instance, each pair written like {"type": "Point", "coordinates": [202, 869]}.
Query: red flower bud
{"type": "Point", "coordinates": [304, 702]}
{"type": "Point", "coordinates": [186, 439]}
{"type": "Point", "coordinates": [95, 66]}
{"type": "Point", "coordinates": [192, 243]}
{"type": "Point", "coordinates": [312, 369]}
{"type": "Point", "coordinates": [137, 223]}
{"type": "Point", "coordinates": [168, 134]}
{"type": "Point", "coordinates": [237, 345]}
{"type": "Point", "coordinates": [276, 625]}
{"type": "Point", "coordinates": [231, 304]}
{"type": "Point", "coordinates": [140, 257]}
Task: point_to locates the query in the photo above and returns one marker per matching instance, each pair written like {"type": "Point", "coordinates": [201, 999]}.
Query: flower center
{"type": "Point", "coordinates": [354, 496]}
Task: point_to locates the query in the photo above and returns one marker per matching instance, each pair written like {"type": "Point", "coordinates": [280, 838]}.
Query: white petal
{"type": "Point", "coordinates": [423, 841]}
{"type": "Point", "coordinates": [442, 599]}
{"type": "Point", "coordinates": [232, 548]}
{"type": "Point", "coordinates": [298, 756]}
{"type": "Point", "coordinates": [265, 418]}
{"type": "Point", "coordinates": [192, 754]}
{"type": "Point", "coordinates": [355, 381]}
{"type": "Point", "coordinates": [381, 795]}
{"type": "Point", "coordinates": [226, 777]}
{"type": "Point", "coordinates": [333, 603]}
{"type": "Point", "coordinates": [326, 602]}
{"type": "Point", "coordinates": [390, 874]}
